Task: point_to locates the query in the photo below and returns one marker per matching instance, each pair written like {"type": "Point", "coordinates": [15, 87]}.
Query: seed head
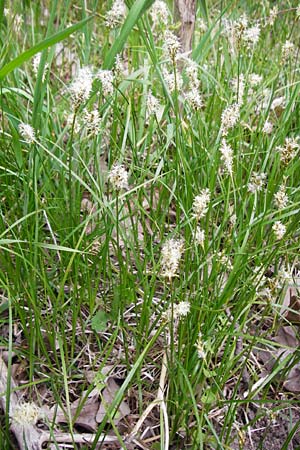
{"type": "Point", "coordinates": [152, 106]}
{"type": "Point", "coordinates": [287, 51]}
{"type": "Point", "coordinates": [116, 14]}
{"type": "Point", "coordinates": [257, 182]}
{"type": "Point", "coordinates": [194, 98]}
{"type": "Point", "coordinates": [107, 78]}
{"type": "Point", "coordinates": [81, 87]}
{"type": "Point", "coordinates": [254, 79]}
{"type": "Point", "coordinates": [226, 156]}
{"type": "Point", "coordinates": [169, 78]}
{"type": "Point", "coordinates": [281, 198]}
{"type": "Point", "coordinates": [268, 127]}
{"type": "Point", "coordinates": [26, 414]}
{"type": "Point", "coordinates": [160, 13]}
{"type": "Point", "coordinates": [118, 176]}
{"type": "Point", "coordinates": [279, 229]}
{"type": "Point", "coordinates": [92, 121]}
{"type": "Point", "coordinates": [289, 150]}
{"type": "Point", "coordinates": [27, 132]}
{"type": "Point", "coordinates": [273, 16]}
{"type": "Point", "coordinates": [170, 257]}
{"type": "Point", "coordinates": [251, 36]}
{"type": "Point", "coordinates": [230, 117]}
{"type": "Point", "coordinates": [200, 204]}
{"type": "Point", "coordinates": [171, 44]}
{"type": "Point", "coordinates": [199, 236]}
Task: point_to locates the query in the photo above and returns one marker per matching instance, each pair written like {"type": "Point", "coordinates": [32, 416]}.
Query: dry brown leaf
{"type": "Point", "coordinates": [286, 336]}
{"type": "Point", "coordinates": [289, 342]}
{"type": "Point", "coordinates": [107, 396]}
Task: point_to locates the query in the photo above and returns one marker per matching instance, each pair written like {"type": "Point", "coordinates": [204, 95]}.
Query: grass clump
{"type": "Point", "coordinates": [150, 220]}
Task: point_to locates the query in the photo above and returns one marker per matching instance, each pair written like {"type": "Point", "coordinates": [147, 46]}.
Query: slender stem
{"type": "Point", "coordinates": [71, 154]}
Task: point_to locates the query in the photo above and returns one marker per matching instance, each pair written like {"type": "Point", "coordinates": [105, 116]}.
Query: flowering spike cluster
{"type": "Point", "coordinates": [118, 176]}
{"type": "Point", "coordinates": [35, 66]}
{"type": "Point", "coordinates": [238, 87]}
{"type": "Point", "coordinates": [229, 118]}
{"type": "Point", "coordinates": [194, 98]}
{"type": "Point", "coordinates": [171, 254]}
{"type": "Point", "coordinates": [287, 51]}
{"type": "Point", "coordinates": [170, 80]}
{"type": "Point", "coordinates": [180, 310]}
{"type": "Point", "coordinates": [27, 132]}
{"type": "Point", "coordinates": [152, 106]}
{"type": "Point", "coordinates": [116, 14]}
{"type": "Point", "coordinates": [254, 79]}
{"type": "Point", "coordinates": [81, 87]}
{"type": "Point", "coordinates": [92, 122]}
{"type": "Point", "coordinates": [289, 150]}
{"type": "Point", "coordinates": [239, 33]}
{"type": "Point", "coordinates": [257, 182]}
{"type": "Point", "coordinates": [191, 70]}
{"type": "Point", "coordinates": [200, 204]}
{"type": "Point", "coordinates": [272, 16]}
{"type": "Point", "coordinates": [26, 414]}
{"type": "Point", "coordinates": [159, 14]}
{"type": "Point", "coordinates": [280, 197]}
{"type": "Point", "coordinates": [268, 127]}
{"type": "Point", "coordinates": [199, 236]}
{"type": "Point", "coordinates": [279, 229]}
{"type": "Point", "coordinates": [119, 69]}
{"type": "Point", "coordinates": [200, 346]}
{"type": "Point", "coordinates": [107, 78]}
{"type": "Point", "coordinates": [226, 156]}
{"type": "Point", "coordinates": [251, 36]}
{"type": "Point", "coordinates": [171, 44]}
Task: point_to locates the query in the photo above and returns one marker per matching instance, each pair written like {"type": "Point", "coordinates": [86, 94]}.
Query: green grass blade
{"type": "Point", "coordinates": [60, 36]}
{"type": "Point", "coordinates": [136, 11]}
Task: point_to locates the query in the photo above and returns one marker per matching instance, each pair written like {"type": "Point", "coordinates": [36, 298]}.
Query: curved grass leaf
{"type": "Point", "coordinates": [60, 36]}
{"type": "Point", "coordinates": [136, 11]}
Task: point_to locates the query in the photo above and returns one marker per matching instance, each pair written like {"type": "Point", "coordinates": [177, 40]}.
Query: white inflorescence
{"type": "Point", "coordinates": [255, 79]}
{"type": "Point", "coordinates": [230, 117]}
{"type": "Point", "coordinates": [118, 176]}
{"type": "Point", "coordinates": [251, 35]}
{"type": "Point", "coordinates": [272, 16]}
{"type": "Point", "coordinates": [152, 105]}
{"type": "Point", "coordinates": [178, 311]}
{"type": "Point", "coordinates": [81, 87]}
{"type": "Point", "coordinates": [200, 347]}
{"type": "Point", "coordinates": [199, 236]}
{"type": "Point", "coordinates": [238, 87]}
{"type": "Point", "coordinates": [26, 414]}
{"type": "Point", "coordinates": [194, 98]}
{"type": "Point", "coordinates": [200, 204]}
{"type": "Point", "coordinates": [170, 257]}
{"type": "Point", "coordinates": [281, 198]}
{"type": "Point", "coordinates": [227, 156]}
{"type": "Point", "coordinates": [171, 44]}
{"type": "Point", "coordinates": [268, 127]}
{"type": "Point", "coordinates": [191, 70]}
{"type": "Point", "coordinates": [159, 13]}
{"type": "Point", "coordinates": [289, 150]}
{"type": "Point", "coordinates": [92, 122]}
{"type": "Point", "coordinates": [116, 14]}
{"type": "Point", "coordinates": [27, 132]}
{"type": "Point", "coordinates": [107, 78]}
{"type": "Point", "coordinates": [172, 81]}
{"type": "Point", "coordinates": [279, 229]}
{"type": "Point", "coordinates": [278, 102]}
{"type": "Point", "coordinates": [287, 50]}
{"type": "Point", "coordinates": [257, 182]}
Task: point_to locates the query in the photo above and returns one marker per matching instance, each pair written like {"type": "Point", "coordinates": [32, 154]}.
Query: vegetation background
{"type": "Point", "coordinates": [149, 225]}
